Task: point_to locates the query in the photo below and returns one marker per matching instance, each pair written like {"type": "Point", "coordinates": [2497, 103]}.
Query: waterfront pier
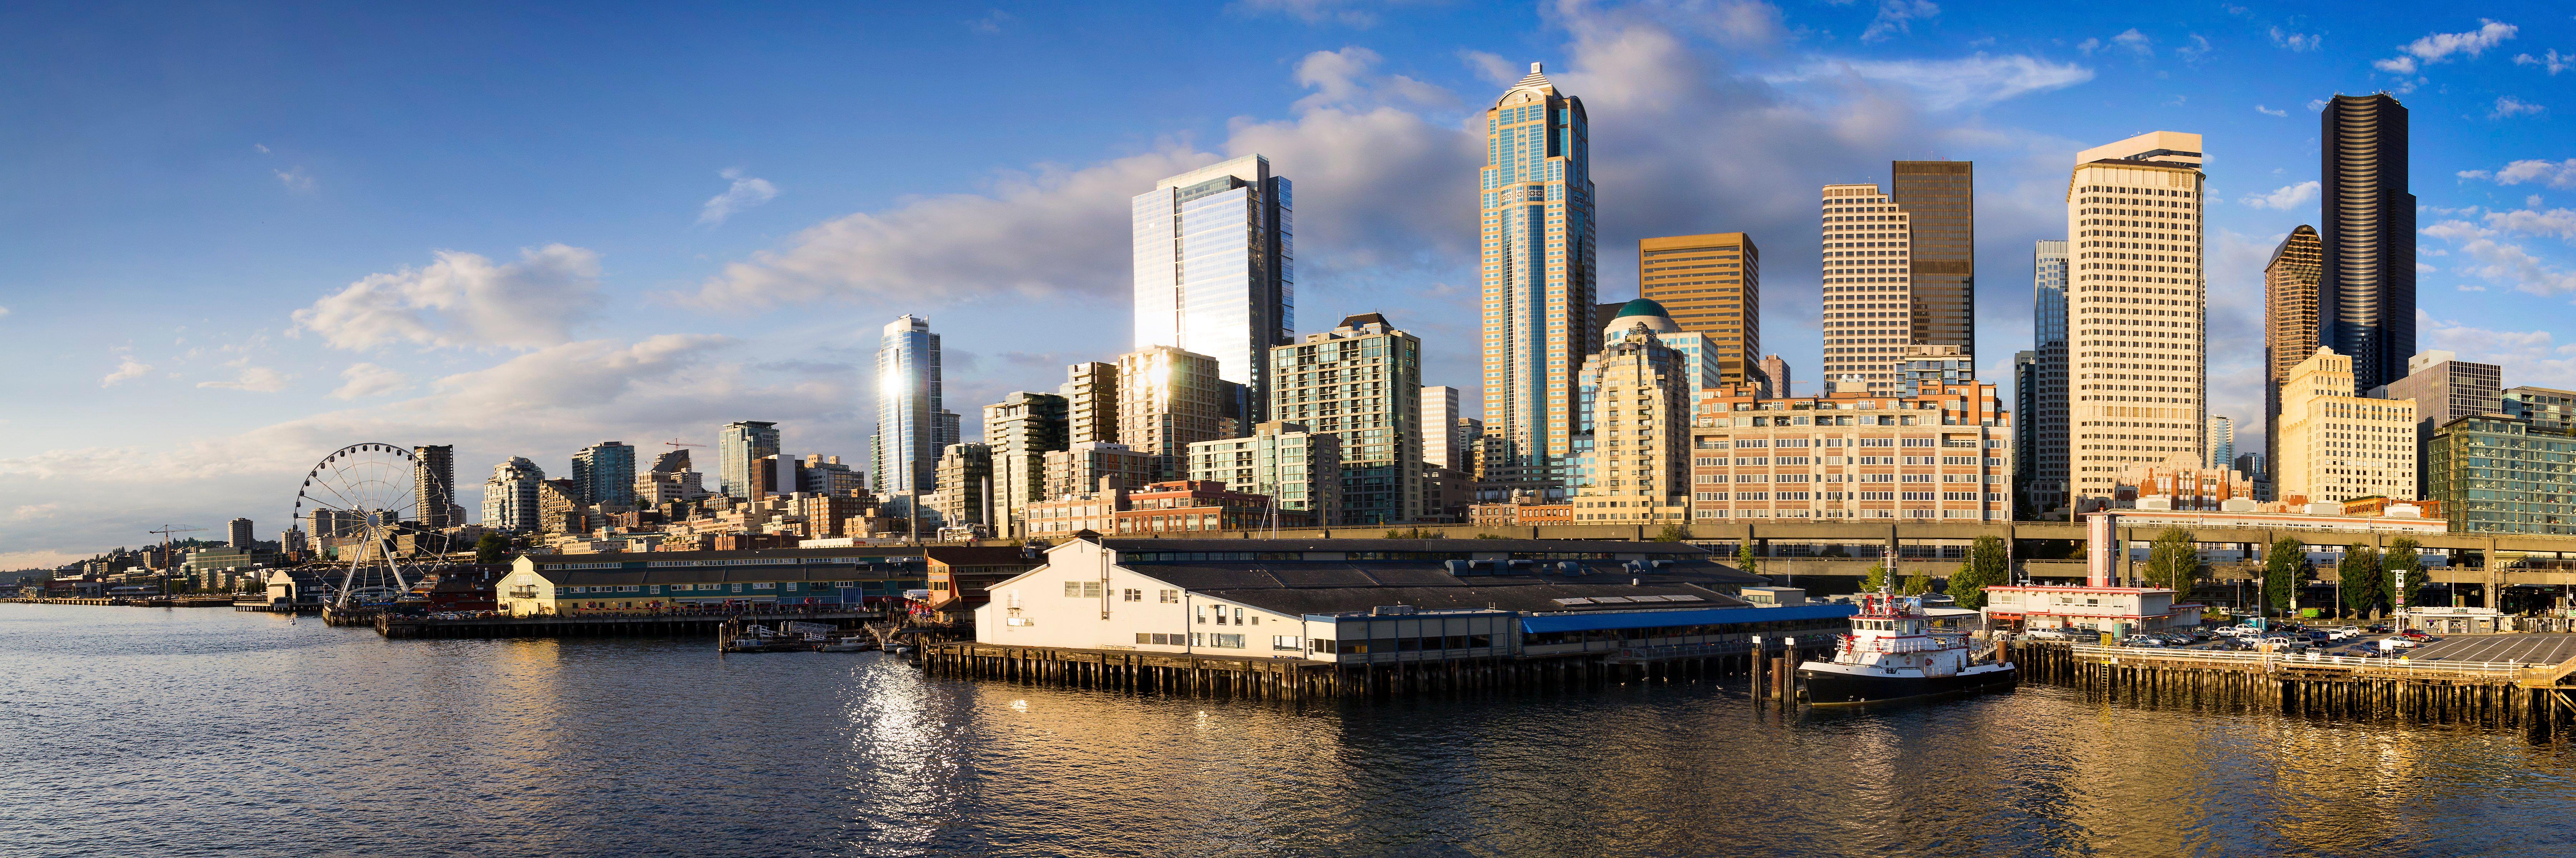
{"type": "Point", "coordinates": [2501, 695]}
{"type": "Point", "coordinates": [1770, 672]}
{"type": "Point", "coordinates": [601, 625]}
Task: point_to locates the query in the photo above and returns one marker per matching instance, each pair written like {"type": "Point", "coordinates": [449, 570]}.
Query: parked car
{"type": "Point", "coordinates": [2415, 634]}
{"type": "Point", "coordinates": [2277, 641]}
{"type": "Point", "coordinates": [2379, 629]}
{"type": "Point", "coordinates": [2143, 640]}
{"type": "Point", "coordinates": [2392, 644]}
{"type": "Point", "coordinates": [2345, 633]}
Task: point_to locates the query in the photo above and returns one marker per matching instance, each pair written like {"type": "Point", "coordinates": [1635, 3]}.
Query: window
{"type": "Point", "coordinates": [1227, 641]}
{"type": "Point", "coordinates": [1170, 597]}
{"type": "Point", "coordinates": [1082, 589]}
{"type": "Point", "coordinates": [1198, 639]}
{"type": "Point", "coordinates": [765, 585]}
{"type": "Point", "coordinates": [1134, 596]}
{"type": "Point", "coordinates": [1289, 643]}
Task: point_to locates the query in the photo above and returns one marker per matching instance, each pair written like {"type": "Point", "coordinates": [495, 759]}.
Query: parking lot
{"type": "Point", "coordinates": [2526, 648]}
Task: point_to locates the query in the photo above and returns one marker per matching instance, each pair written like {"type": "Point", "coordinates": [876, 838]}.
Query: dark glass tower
{"type": "Point", "coordinates": [1941, 197]}
{"type": "Point", "coordinates": [2366, 298]}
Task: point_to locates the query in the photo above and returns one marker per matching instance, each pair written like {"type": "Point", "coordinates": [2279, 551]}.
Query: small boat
{"type": "Point", "coordinates": [852, 643]}
{"type": "Point", "coordinates": [1893, 653]}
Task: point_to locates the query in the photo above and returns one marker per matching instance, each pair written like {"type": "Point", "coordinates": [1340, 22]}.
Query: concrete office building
{"type": "Point", "coordinates": [1214, 270]}
{"type": "Point", "coordinates": [740, 446]}
{"type": "Point", "coordinates": [2336, 445]}
{"type": "Point", "coordinates": [2044, 465]}
{"type": "Point", "coordinates": [1539, 276]}
{"type": "Point", "coordinates": [1930, 368]}
{"type": "Point", "coordinates": [509, 498]}
{"type": "Point", "coordinates": [820, 475]}
{"type": "Point", "coordinates": [1361, 381]}
{"type": "Point", "coordinates": [1710, 285]}
{"type": "Point", "coordinates": [2367, 232]}
{"type": "Point", "coordinates": [237, 533]}
{"type": "Point", "coordinates": [2137, 350]}
{"type": "Point", "coordinates": [2444, 389]}
{"type": "Point", "coordinates": [604, 473]}
{"type": "Point", "coordinates": [965, 478]}
{"type": "Point", "coordinates": [904, 453]}
{"type": "Point", "coordinates": [434, 486]}
{"type": "Point", "coordinates": [1021, 429]}
{"type": "Point", "coordinates": [1169, 398]}
{"type": "Point", "coordinates": [1299, 469]}
{"type": "Point", "coordinates": [1440, 447]}
{"type": "Point", "coordinates": [1868, 291]}
{"type": "Point", "coordinates": [1939, 199]}
{"type": "Point", "coordinates": [2290, 321]}
{"type": "Point", "coordinates": [1945, 455]}
{"type": "Point", "coordinates": [1775, 377]}
{"type": "Point", "coordinates": [1634, 447]}
{"type": "Point", "coordinates": [1079, 470]}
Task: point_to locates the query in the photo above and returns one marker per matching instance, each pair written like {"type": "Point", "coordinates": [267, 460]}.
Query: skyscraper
{"type": "Point", "coordinates": [2025, 432]}
{"type": "Point", "coordinates": [1361, 381]}
{"type": "Point", "coordinates": [2044, 418]}
{"type": "Point", "coordinates": [1214, 270]}
{"type": "Point", "coordinates": [1868, 290]}
{"type": "Point", "coordinates": [1020, 430]}
{"type": "Point", "coordinates": [1439, 413]}
{"type": "Point", "coordinates": [1169, 398]}
{"type": "Point", "coordinates": [1775, 378]}
{"type": "Point", "coordinates": [2137, 349]}
{"type": "Point", "coordinates": [1940, 199]}
{"type": "Point", "coordinates": [509, 497]}
{"type": "Point", "coordinates": [1090, 394]}
{"type": "Point", "coordinates": [238, 534]}
{"type": "Point", "coordinates": [2336, 446]}
{"type": "Point", "coordinates": [2222, 442]}
{"type": "Point", "coordinates": [1539, 284]}
{"type": "Point", "coordinates": [740, 445]}
{"type": "Point", "coordinates": [433, 486]}
{"type": "Point", "coordinates": [2367, 292]}
{"type": "Point", "coordinates": [2290, 317]}
{"type": "Point", "coordinates": [1636, 419]}
{"type": "Point", "coordinates": [905, 449]}
{"type": "Point", "coordinates": [1709, 285]}
{"type": "Point", "coordinates": [605, 473]}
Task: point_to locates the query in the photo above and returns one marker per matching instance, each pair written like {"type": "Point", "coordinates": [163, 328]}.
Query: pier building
{"type": "Point", "coordinates": [563, 584]}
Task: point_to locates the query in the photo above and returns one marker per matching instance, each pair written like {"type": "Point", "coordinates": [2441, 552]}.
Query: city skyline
{"type": "Point", "coordinates": [612, 340]}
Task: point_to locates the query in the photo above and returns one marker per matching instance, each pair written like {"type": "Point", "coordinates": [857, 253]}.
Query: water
{"type": "Point", "coordinates": [129, 731]}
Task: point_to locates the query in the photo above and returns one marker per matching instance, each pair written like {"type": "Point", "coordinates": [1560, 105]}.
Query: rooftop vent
{"type": "Point", "coordinates": [1391, 610]}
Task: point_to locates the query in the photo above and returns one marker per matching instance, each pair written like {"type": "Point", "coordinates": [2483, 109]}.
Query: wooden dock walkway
{"type": "Point", "coordinates": [2499, 695]}
{"type": "Point", "coordinates": [606, 625]}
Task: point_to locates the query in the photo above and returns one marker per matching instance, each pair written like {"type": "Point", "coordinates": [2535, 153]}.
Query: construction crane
{"type": "Point", "coordinates": [675, 442]}
{"type": "Point", "coordinates": [166, 563]}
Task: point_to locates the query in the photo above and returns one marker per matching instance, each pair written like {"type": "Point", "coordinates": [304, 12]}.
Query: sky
{"type": "Point", "coordinates": [237, 237]}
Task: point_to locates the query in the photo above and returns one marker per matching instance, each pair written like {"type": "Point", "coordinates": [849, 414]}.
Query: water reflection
{"type": "Point", "coordinates": [152, 732]}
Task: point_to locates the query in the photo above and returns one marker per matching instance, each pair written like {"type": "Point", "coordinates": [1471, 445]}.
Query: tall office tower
{"type": "Point", "coordinates": [433, 485]}
{"type": "Point", "coordinates": [605, 473]}
{"type": "Point", "coordinates": [2367, 294]}
{"type": "Point", "coordinates": [2136, 349]}
{"type": "Point", "coordinates": [2025, 436]}
{"type": "Point", "coordinates": [2290, 321]}
{"type": "Point", "coordinates": [1636, 418]}
{"type": "Point", "coordinates": [905, 451]}
{"type": "Point", "coordinates": [1439, 413]}
{"type": "Point", "coordinates": [1298, 469]}
{"type": "Point", "coordinates": [946, 428]}
{"type": "Point", "coordinates": [1168, 398]}
{"type": "Point", "coordinates": [2335, 445]}
{"type": "Point", "coordinates": [1775, 378]}
{"type": "Point", "coordinates": [237, 534]}
{"type": "Point", "coordinates": [965, 474]}
{"type": "Point", "coordinates": [1539, 276]}
{"type": "Point", "coordinates": [509, 497]}
{"type": "Point", "coordinates": [739, 448]}
{"type": "Point", "coordinates": [1869, 296]}
{"type": "Point", "coordinates": [1361, 381]}
{"type": "Point", "coordinates": [1940, 198]}
{"type": "Point", "coordinates": [1090, 394]}
{"type": "Point", "coordinates": [1021, 429]}
{"type": "Point", "coordinates": [1698, 352]}
{"type": "Point", "coordinates": [2044, 419]}
{"type": "Point", "coordinates": [1710, 285]}
{"type": "Point", "coordinates": [2444, 389]}
{"type": "Point", "coordinates": [1214, 270]}
{"type": "Point", "coordinates": [2222, 442]}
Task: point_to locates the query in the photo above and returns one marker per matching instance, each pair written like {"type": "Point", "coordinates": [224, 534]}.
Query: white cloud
{"type": "Point", "coordinates": [2532, 357]}
{"type": "Point", "coordinates": [366, 379]}
{"type": "Point", "coordinates": [1350, 13]}
{"type": "Point", "coordinates": [992, 22]}
{"type": "Point", "coordinates": [1491, 68]}
{"type": "Point", "coordinates": [296, 179]}
{"type": "Point", "coordinates": [1348, 78]}
{"type": "Point", "coordinates": [2441, 47]}
{"type": "Point", "coordinates": [2509, 264]}
{"type": "Point", "coordinates": [746, 192]}
{"type": "Point", "coordinates": [1897, 16]}
{"type": "Point", "coordinates": [2088, 46]}
{"type": "Point", "coordinates": [2134, 42]}
{"type": "Point", "coordinates": [1973, 81]}
{"type": "Point", "coordinates": [2295, 41]}
{"type": "Point", "coordinates": [2509, 106]}
{"type": "Point", "coordinates": [262, 147]}
{"type": "Point", "coordinates": [2198, 48]}
{"type": "Point", "coordinates": [2556, 174]}
{"type": "Point", "coordinates": [2560, 223]}
{"type": "Point", "coordinates": [126, 368]}
{"type": "Point", "coordinates": [255, 379]}
{"type": "Point", "coordinates": [2316, 105]}
{"type": "Point", "coordinates": [2269, 111]}
{"type": "Point", "coordinates": [463, 299]}
{"type": "Point", "coordinates": [2551, 60]}
{"type": "Point", "coordinates": [4, 311]}
{"type": "Point", "coordinates": [2286, 198]}
{"type": "Point", "coordinates": [2395, 65]}
{"type": "Point", "coordinates": [2425, 268]}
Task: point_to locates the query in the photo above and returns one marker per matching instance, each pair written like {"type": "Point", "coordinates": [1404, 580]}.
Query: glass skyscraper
{"type": "Point", "coordinates": [905, 450]}
{"type": "Point", "coordinates": [1538, 277]}
{"type": "Point", "coordinates": [2367, 294]}
{"type": "Point", "coordinates": [740, 446]}
{"type": "Point", "coordinates": [1214, 271]}
{"type": "Point", "coordinates": [605, 473]}
{"type": "Point", "coordinates": [2045, 416]}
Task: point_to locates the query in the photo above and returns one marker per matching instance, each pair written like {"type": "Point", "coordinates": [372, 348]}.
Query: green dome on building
{"type": "Point", "coordinates": [1641, 307]}
{"type": "Point", "coordinates": [1639, 312]}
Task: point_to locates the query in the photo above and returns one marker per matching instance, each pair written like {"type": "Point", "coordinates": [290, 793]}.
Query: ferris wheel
{"type": "Point", "coordinates": [360, 500]}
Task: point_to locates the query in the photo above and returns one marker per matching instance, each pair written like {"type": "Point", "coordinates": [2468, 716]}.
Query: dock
{"type": "Point", "coordinates": [604, 625]}
{"type": "Point", "coordinates": [147, 602]}
{"type": "Point", "coordinates": [2493, 694]}
{"type": "Point", "coordinates": [1298, 679]}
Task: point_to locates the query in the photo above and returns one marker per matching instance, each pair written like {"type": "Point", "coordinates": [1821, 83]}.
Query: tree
{"type": "Point", "coordinates": [2284, 564]}
{"type": "Point", "coordinates": [1985, 567]}
{"type": "Point", "coordinates": [2361, 578]}
{"type": "Point", "coordinates": [1876, 578]}
{"type": "Point", "coordinates": [1744, 558]}
{"type": "Point", "coordinates": [490, 548]}
{"type": "Point", "coordinates": [1916, 584]}
{"type": "Point", "coordinates": [1673, 533]}
{"type": "Point", "coordinates": [2405, 569]}
{"type": "Point", "coordinates": [2173, 562]}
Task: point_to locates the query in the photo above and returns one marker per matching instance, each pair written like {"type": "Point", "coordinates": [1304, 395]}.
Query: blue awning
{"type": "Point", "coordinates": [1592, 621]}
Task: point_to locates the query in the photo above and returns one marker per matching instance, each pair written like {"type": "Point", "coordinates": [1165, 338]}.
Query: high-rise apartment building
{"type": "Point", "coordinates": [2548, 409]}
{"type": "Point", "coordinates": [2336, 445]}
{"type": "Point", "coordinates": [1939, 198]}
{"type": "Point", "coordinates": [1698, 351]}
{"type": "Point", "coordinates": [827, 475]}
{"type": "Point", "coordinates": [2367, 233]}
{"type": "Point", "coordinates": [1539, 276]}
{"type": "Point", "coordinates": [1080, 469]}
{"type": "Point", "coordinates": [740, 445]}
{"type": "Point", "coordinates": [904, 453]}
{"type": "Point", "coordinates": [1852, 455]}
{"type": "Point", "coordinates": [2221, 443]}
{"type": "Point", "coordinates": [2495, 473]}
{"type": "Point", "coordinates": [2137, 349]}
{"type": "Point", "coordinates": [604, 473]}
{"type": "Point", "coordinates": [2444, 389]}
{"type": "Point", "coordinates": [1636, 418]}
{"type": "Point", "coordinates": [1090, 394]}
{"type": "Point", "coordinates": [2290, 321]}
{"type": "Point", "coordinates": [1300, 470]}
{"type": "Point", "coordinates": [509, 497]}
{"type": "Point", "coordinates": [1169, 398]}
{"type": "Point", "coordinates": [1362, 382]}
{"type": "Point", "coordinates": [1439, 413]}
{"type": "Point", "coordinates": [965, 478]}
{"type": "Point", "coordinates": [1709, 285]}
{"type": "Point", "coordinates": [1932, 368]}
{"type": "Point", "coordinates": [433, 486]}
{"type": "Point", "coordinates": [1020, 430]}
{"type": "Point", "coordinates": [2043, 465]}
{"type": "Point", "coordinates": [237, 533]}
{"type": "Point", "coordinates": [1214, 270]}
{"type": "Point", "coordinates": [1868, 290]}
{"type": "Point", "coordinates": [1775, 377]}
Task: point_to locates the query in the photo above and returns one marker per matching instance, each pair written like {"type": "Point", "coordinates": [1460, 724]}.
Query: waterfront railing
{"type": "Point", "coordinates": [2383, 666]}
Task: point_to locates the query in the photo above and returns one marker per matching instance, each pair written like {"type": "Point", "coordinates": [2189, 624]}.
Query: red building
{"type": "Point", "coordinates": [1194, 506]}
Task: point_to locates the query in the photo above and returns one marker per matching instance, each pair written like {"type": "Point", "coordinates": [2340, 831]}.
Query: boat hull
{"type": "Point", "coordinates": [1834, 688]}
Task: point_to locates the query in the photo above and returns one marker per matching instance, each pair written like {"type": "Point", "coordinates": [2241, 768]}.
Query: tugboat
{"type": "Point", "coordinates": [1893, 653]}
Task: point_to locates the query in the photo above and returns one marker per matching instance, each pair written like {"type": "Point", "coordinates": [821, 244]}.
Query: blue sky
{"type": "Point", "coordinates": [234, 238]}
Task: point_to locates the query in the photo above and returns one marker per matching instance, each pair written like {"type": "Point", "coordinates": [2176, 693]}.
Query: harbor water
{"type": "Point", "coordinates": [130, 731]}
